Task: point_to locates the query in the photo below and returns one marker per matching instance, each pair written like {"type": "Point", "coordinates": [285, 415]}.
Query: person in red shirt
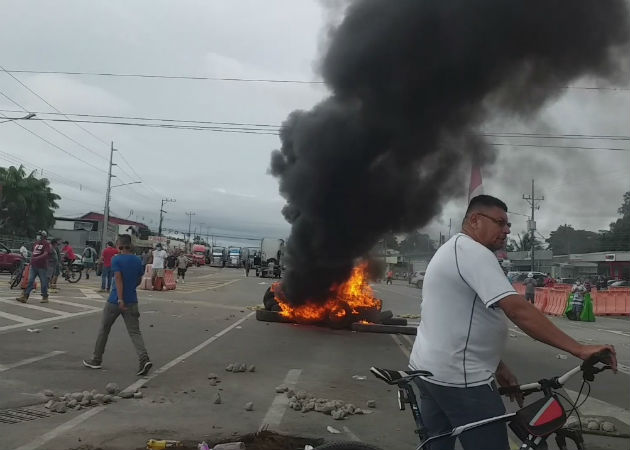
{"type": "Point", "coordinates": [68, 252]}
{"type": "Point", "coordinates": [39, 268]}
{"type": "Point", "coordinates": [106, 276]}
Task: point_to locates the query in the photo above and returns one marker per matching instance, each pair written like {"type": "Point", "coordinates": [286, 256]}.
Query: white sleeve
{"type": "Point", "coordinates": [480, 269]}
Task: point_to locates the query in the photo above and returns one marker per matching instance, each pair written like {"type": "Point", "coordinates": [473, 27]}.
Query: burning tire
{"type": "Point", "coordinates": [340, 316]}
{"type": "Point", "coordinates": [271, 316]}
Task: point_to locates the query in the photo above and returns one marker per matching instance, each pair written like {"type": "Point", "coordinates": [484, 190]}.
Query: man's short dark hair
{"type": "Point", "coordinates": [484, 201]}
{"type": "Point", "coordinates": [124, 240]}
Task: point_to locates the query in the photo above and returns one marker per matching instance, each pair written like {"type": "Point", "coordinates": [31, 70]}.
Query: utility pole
{"type": "Point", "coordinates": [107, 196]}
{"type": "Point", "coordinates": [189, 214]}
{"type": "Point", "coordinates": [531, 224]}
{"type": "Point", "coordinates": [162, 212]}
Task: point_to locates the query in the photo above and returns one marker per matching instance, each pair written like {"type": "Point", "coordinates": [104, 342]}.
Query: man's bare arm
{"type": "Point", "coordinates": [119, 289]}
{"type": "Point", "coordinates": [536, 325]}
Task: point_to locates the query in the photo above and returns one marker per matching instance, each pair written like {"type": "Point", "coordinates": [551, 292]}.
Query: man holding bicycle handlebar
{"type": "Point", "coordinates": [463, 331]}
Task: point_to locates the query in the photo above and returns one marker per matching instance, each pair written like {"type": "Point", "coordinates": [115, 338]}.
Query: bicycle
{"type": "Point", "coordinates": [532, 424]}
{"type": "Point", "coordinates": [17, 274]}
{"type": "Point", "coordinates": [71, 272]}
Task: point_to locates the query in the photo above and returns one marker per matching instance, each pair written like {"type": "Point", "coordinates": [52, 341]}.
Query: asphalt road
{"type": "Point", "coordinates": [207, 324]}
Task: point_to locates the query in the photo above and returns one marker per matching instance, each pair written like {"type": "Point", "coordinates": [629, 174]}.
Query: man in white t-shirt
{"type": "Point", "coordinates": [157, 276]}
{"type": "Point", "coordinates": [462, 334]}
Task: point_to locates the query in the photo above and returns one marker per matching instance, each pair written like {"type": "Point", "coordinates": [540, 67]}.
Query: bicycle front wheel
{"type": "Point", "coordinates": [347, 445]}
{"type": "Point", "coordinates": [73, 276]}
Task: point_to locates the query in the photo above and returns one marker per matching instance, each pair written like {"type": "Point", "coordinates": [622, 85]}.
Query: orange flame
{"type": "Point", "coordinates": [355, 292]}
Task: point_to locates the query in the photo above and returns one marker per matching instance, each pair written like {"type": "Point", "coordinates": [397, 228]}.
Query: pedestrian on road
{"type": "Point", "coordinates": [390, 276]}
{"type": "Point", "coordinates": [549, 281]}
{"type": "Point", "coordinates": [88, 256]}
{"type": "Point", "coordinates": [463, 331]}
{"type": "Point", "coordinates": [530, 287]}
{"type": "Point", "coordinates": [106, 275]}
{"type": "Point", "coordinates": [247, 265]}
{"type": "Point", "coordinates": [39, 268]}
{"type": "Point", "coordinates": [68, 253]}
{"type": "Point", "coordinates": [123, 299]}
{"type": "Point", "coordinates": [53, 265]}
{"type": "Point", "coordinates": [158, 259]}
{"type": "Point", "coordinates": [182, 266]}
{"type": "Point", "coordinates": [579, 291]}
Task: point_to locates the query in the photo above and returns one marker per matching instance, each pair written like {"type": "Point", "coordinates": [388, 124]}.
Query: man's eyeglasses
{"type": "Point", "coordinates": [502, 223]}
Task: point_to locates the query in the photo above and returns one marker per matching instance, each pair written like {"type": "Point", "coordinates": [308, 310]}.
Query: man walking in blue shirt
{"type": "Point", "coordinates": [123, 300]}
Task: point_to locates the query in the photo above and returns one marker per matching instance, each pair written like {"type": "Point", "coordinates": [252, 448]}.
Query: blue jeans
{"type": "Point", "coordinates": [43, 279]}
{"type": "Point", "coordinates": [106, 276]}
{"type": "Point", "coordinates": [444, 408]}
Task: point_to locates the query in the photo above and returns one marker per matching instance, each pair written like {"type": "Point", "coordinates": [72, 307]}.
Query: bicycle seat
{"type": "Point", "coordinates": [398, 376]}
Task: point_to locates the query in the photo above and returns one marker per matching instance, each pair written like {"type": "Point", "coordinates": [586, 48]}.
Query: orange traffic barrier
{"type": "Point", "coordinates": [169, 280]}
{"type": "Point", "coordinates": [541, 298]}
{"type": "Point", "coordinates": [25, 275]}
{"type": "Point", "coordinates": [613, 303]}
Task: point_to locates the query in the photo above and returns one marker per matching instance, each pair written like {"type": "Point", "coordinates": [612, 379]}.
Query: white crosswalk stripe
{"type": "Point", "coordinates": [30, 314]}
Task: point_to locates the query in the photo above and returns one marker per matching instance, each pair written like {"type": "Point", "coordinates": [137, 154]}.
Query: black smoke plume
{"type": "Point", "coordinates": [412, 82]}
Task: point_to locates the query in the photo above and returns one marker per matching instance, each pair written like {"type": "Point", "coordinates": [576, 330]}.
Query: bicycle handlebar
{"type": "Point", "coordinates": [588, 368]}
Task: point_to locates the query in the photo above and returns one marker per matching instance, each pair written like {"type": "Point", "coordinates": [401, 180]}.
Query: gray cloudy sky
{"type": "Point", "coordinates": [222, 177]}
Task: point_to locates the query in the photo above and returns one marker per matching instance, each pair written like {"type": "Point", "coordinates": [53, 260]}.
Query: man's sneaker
{"type": "Point", "coordinates": [22, 299]}
{"type": "Point", "coordinates": [44, 299]}
{"type": "Point", "coordinates": [92, 364]}
{"type": "Point", "coordinates": [144, 368]}
{"type": "Point", "coordinates": [87, 276]}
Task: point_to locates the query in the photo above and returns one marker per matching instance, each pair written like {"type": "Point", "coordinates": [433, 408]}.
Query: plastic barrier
{"type": "Point", "coordinates": [146, 282]}
{"type": "Point", "coordinates": [169, 280]}
{"type": "Point", "coordinates": [25, 274]}
{"type": "Point", "coordinates": [612, 302]}
{"type": "Point", "coordinates": [556, 301]}
{"type": "Point", "coordinates": [541, 298]}
{"type": "Point", "coordinates": [520, 288]}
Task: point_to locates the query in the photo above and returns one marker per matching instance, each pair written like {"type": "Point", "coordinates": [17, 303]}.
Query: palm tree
{"type": "Point", "coordinates": [26, 202]}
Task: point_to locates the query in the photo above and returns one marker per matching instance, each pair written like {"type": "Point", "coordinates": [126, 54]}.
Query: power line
{"type": "Point", "coordinates": [168, 77]}
{"type": "Point", "coordinates": [558, 136]}
{"type": "Point", "coordinates": [48, 103]}
{"type": "Point", "coordinates": [51, 127]}
{"type": "Point", "coordinates": [235, 79]}
{"type": "Point", "coordinates": [560, 146]}
{"type": "Point", "coordinates": [56, 146]}
{"type": "Point", "coordinates": [137, 175]}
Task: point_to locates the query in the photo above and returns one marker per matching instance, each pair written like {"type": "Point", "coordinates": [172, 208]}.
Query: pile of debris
{"type": "Point", "coordinates": [304, 402]}
{"type": "Point", "coordinates": [85, 399]}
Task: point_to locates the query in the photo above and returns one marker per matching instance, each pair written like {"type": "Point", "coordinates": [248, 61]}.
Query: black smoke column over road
{"type": "Point", "coordinates": [412, 81]}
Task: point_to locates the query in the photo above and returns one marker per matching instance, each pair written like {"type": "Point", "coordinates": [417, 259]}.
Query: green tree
{"type": "Point", "coordinates": [565, 239]}
{"type": "Point", "coordinates": [416, 242]}
{"type": "Point", "coordinates": [523, 243]}
{"type": "Point", "coordinates": [27, 203]}
{"type": "Point", "coordinates": [618, 238]}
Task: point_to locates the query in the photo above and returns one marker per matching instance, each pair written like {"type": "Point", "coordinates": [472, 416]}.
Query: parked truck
{"type": "Point", "coordinates": [218, 257]}
{"type": "Point", "coordinates": [234, 257]}
{"type": "Point", "coordinates": [271, 251]}
{"type": "Point", "coordinates": [199, 255]}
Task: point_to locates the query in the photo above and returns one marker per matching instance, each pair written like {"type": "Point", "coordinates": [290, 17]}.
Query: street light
{"type": "Point", "coordinates": [26, 117]}
{"type": "Point", "coordinates": [126, 184]}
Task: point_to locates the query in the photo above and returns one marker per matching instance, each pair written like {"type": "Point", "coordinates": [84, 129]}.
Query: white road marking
{"type": "Point", "coordinates": [67, 426]}
{"type": "Point", "coordinates": [401, 346]}
{"type": "Point", "coordinates": [35, 307]}
{"type": "Point", "coordinates": [78, 305]}
{"type": "Point", "coordinates": [278, 407]}
{"type": "Point", "coordinates": [351, 435]}
{"type": "Point", "coordinates": [89, 293]}
{"type": "Point", "coordinates": [615, 332]}
{"type": "Point", "coordinates": [14, 318]}
{"type": "Point", "coordinates": [594, 407]}
{"type": "Point", "coordinates": [37, 322]}
{"type": "Point", "coordinates": [61, 429]}
{"type": "Point", "coordinates": [5, 367]}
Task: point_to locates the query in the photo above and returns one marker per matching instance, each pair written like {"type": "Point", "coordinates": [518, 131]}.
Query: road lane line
{"type": "Point", "coordinates": [351, 435]}
{"type": "Point", "coordinates": [89, 293]}
{"type": "Point", "coordinates": [5, 367]}
{"type": "Point", "coordinates": [615, 332]}
{"type": "Point", "coordinates": [22, 320]}
{"type": "Point", "coordinates": [142, 381]}
{"type": "Point", "coordinates": [35, 307]}
{"type": "Point", "coordinates": [67, 426]}
{"type": "Point", "coordinates": [61, 429]}
{"type": "Point", "coordinates": [278, 407]}
{"type": "Point", "coordinates": [48, 319]}
{"type": "Point", "coordinates": [78, 305]}
{"type": "Point", "coordinates": [401, 346]}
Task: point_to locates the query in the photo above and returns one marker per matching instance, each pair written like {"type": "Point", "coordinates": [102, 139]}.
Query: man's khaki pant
{"type": "Point", "coordinates": [132, 321]}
